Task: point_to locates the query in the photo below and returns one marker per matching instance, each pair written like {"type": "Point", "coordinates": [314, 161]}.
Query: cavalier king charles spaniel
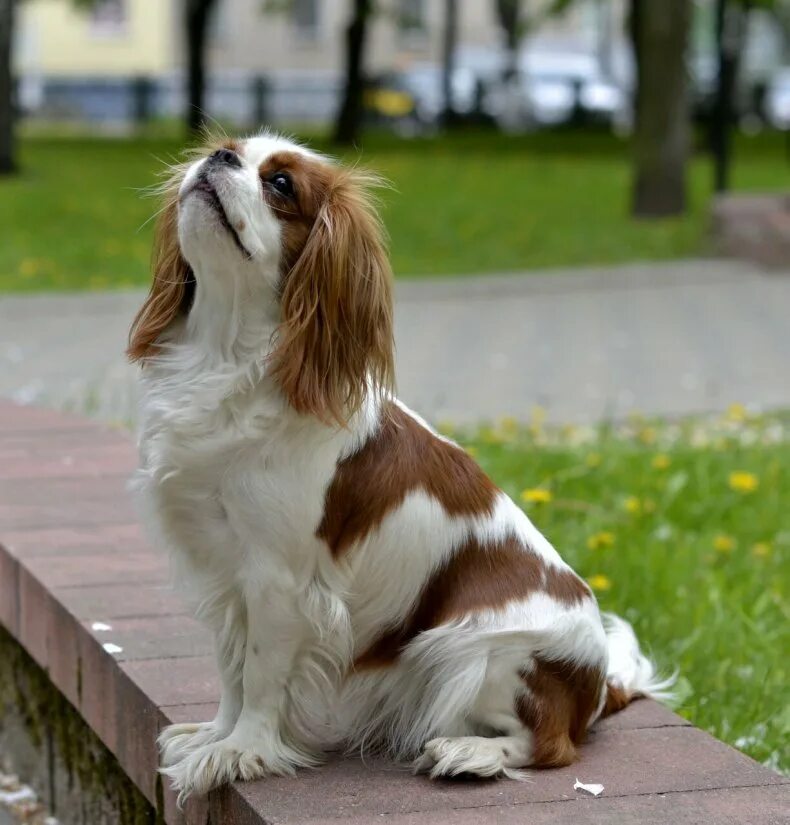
{"type": "Point", "coordinates": [365, 582]}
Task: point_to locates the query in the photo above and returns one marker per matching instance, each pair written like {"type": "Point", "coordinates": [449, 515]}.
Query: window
{"type": "Point", "coordinates": [304, 14]}
{"type": "Point", "coordinates": [109, 17]}
{"type": "Point", "coordinates": [411, 17]}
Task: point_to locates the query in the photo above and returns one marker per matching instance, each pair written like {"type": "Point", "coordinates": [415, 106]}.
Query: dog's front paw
{"type": "Point", "coordinates": [230, 759]}
{"type": "Point", "coordinates": [177, 741]}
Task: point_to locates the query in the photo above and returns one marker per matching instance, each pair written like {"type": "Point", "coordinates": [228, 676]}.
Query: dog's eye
{"type": "Point", "coordinates": [283, 184]}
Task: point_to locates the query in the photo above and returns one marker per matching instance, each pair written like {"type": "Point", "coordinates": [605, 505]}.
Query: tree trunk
{"type": "Point", "coordinates": [604, 44]}
{"type": "Point", "coordinates": [509, 13]}
{"type": "Point", "coordinates": [7, 114]}
{"type": "Point", "coordinates": [348, 126]}
{"type": "Point", "coordinates": [730, 30]}
{"type": "Point", "coordinates": [662, 129]}
{"type": "Point", "coordinates": [197, 15]}
{"type": "Point", "coordinates": [449, 40]}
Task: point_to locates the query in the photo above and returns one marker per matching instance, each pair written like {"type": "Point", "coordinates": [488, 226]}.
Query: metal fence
{"type": "Point", "coordinates": [244, 100]}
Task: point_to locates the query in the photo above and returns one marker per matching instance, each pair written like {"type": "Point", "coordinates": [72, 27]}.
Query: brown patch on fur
{"type": "Point", "coordinates": [401, 457]}
{"type": "Point", "coordinates": [476, 577]}
{"type": "Point", "coordinates": [172, 289]}
{"type": "Point", "coordinates": [617, 698]}
{"type": "Point", "coordinates": [336, 330]}
{"type": "Point", "coordinates": [565, 586]}
{"type": "Point", "coordinates": [562, 700]}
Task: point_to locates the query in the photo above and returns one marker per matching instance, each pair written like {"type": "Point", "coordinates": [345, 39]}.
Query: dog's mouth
{"type": "Point", "coordinates": [202, 187]}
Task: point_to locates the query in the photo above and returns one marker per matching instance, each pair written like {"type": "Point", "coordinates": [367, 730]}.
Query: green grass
{"type": "Point", "coordinates": [701, 569]}
{"type": "Point", "coordinates": [473, 202]}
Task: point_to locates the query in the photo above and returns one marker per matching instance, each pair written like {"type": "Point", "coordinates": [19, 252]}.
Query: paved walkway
{"type": "Point", "coordinates": [88, 599]}
{"type": "Point", "coordinates": [668, 339]}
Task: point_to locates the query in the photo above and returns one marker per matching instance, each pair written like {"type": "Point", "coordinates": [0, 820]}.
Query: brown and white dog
{"type": "Point", "coordinates": [364, 580]}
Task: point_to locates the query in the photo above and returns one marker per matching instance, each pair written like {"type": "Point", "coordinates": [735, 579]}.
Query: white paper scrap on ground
{"type": "Point", "coordinates": [595, 790]}
{"type": "Point", "coordinates": [23, 794]}
{"type": "Point", "coordinates": [111, 648]}
{"type": "Point", "coordinates": [100, 627]}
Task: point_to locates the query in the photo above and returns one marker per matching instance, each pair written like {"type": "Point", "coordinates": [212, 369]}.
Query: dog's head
{"type": "Point", "coordinates": [288, 234]}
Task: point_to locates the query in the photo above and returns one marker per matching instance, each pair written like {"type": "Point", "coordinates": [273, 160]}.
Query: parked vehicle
{"type": "Point", "coordinates": [411, 101]}
{"type": "Point", "coordinates": [777, 99]}
{"type": "Point", "coordinates": [554, 88]}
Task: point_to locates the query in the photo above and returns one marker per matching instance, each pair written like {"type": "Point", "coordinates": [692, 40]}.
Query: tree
{"type": "Point", "coordinates": [660, 34]}
{"type": "Point", "coordinates": [449, 41]}
{"type": "Point", "coordinates": [731, 18]}
{"type": "Point", "coordinates": [348, 125]}
{"type": "Point", "coordinates": [197, 14]}
{"type": "Point", "coordinates": [8, 10]}
{"type": "Point", "coordinates": [7, 115]}
{"type": "Point", "coordinates": [509, 14]}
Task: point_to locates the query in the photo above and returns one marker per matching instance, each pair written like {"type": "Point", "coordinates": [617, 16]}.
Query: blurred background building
{"type": "Point", "coordinates": [120, 61]}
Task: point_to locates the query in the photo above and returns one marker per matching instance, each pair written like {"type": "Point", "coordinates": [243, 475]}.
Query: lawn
{"type": "Point", "coordinates": [683, 529]}
{"type": "Point", "coordinates": [75, 217]}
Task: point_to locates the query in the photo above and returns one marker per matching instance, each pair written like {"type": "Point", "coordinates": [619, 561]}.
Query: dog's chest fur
{"type": "Point", "coordinates": [234, 480]}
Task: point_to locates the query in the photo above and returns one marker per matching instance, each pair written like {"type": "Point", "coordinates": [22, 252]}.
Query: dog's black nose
{"type": "Point", "coordinates": [227, 156]}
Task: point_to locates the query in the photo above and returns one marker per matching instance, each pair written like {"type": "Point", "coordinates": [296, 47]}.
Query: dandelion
{"type": "Point", "coordinates": [538, 415]}
{"type": "Point", "coordinates": [593, 460]}
{"type": "Point", "coordinates": [632, 505]}
{"type": "Point", "coordinates": [647, 435]}
{"type": "Point", "coordinates": [491, 436]}
{"type": "Point", "coordinates": [537, 419]}
{"type": "Point", "coordinates": [446, 428]}
{"type": "Point", "coordinates": [508, 425]}
{"type": "Point", "coordinates": [761, 550]}
{"type": "Point", "coordinates": [661, 461]}
{"type": "Point", "coordinates": [737, 413]}
{"type": "Point", "coordinates": [536, 495]}
{"type": "Point", "coordinates": [569, 432]}
{"type": "Point", "coordinates": [29, 267]}
{"type": "Point", "coordinates": [743, 482]}
{"type": "Point", "coordinates": [598, 541]}
{"type": "Point", "coordinates": [723, 543]}
{"type": "Point", "coordinates": [600, 582]}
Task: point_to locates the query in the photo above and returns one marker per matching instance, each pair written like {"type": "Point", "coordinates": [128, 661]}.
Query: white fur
{"type": "Point", "coordinates": [233, 481]}
{"type": "Point", "coordinates": [628, 667]}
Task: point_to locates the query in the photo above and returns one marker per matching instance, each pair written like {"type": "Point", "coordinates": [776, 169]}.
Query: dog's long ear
{"type": "Point", "coordinates": [172, 288]}
{"type": "Point", "coordinates": [334, 344]}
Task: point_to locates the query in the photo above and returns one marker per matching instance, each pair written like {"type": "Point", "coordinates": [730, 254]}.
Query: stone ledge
{"type": "Point", "coordinates": [753, 227]}
{"type": "Point", "coordinates": [71, 555]}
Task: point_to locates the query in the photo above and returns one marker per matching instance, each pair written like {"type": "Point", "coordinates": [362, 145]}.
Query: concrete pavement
{"type": "Point", "coordinates": [667, 339]}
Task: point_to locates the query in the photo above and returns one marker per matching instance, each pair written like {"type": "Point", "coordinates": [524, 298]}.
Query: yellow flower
{"type": "Point", "coordinates": [538, 415]}
{"type": "Point", "coordinates": [737, 413]}
{"type": "Point", "coordinates": [28, 267]}
{"type": "Point", "coordinates": [600, 582]}
{"type": "Point", "coordinates": [632, 505]}
{"type": "Point", "coordinates": [743, 482]}
{"type": "Point", "coordinates": [593, 460]}
{"type": "Point", "coordinates": [761, 550]}
{"type": "Point", "coordinates": [647, 435]}
{"type": "Point", "coordinates": [472, 451]}
{"type": "Point", "coordinates": [723, 543]}
{"type": "Point", "coordinates": [600, 540]}
{"type": "Point", "coordinates": [508, 425]}
{"type": "Point", "coordinates": [446, 428]}
{"type": "Point", "coordinates": [569, 431]}
{"type": "Point", "coordinates": [661, 461]}
{"type": "Point", "coordinates": [536, 495]}
{"type": "Point", "coordinates": [491, 436]}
